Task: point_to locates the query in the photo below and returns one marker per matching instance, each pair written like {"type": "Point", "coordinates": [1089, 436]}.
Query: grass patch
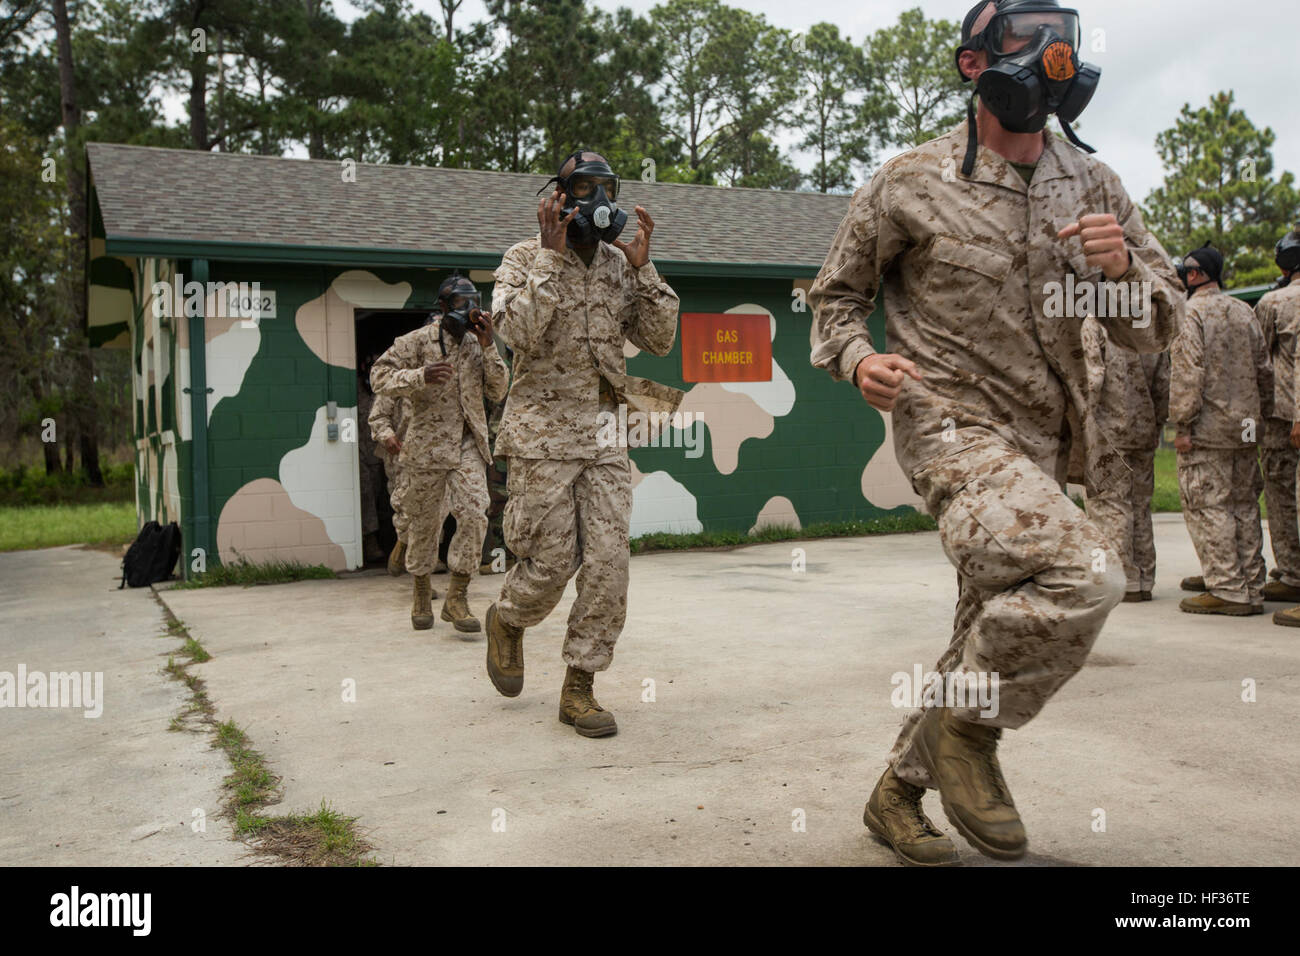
{"type": "Point", "coordinates": [245, 573]}
{"type": "Point", "coordinates": [890, 524]}
{"type": "Point", "coordinates": [323, 838]}
{"type": "Point", "coordinates": [49, 526]}
{"type": "Point", "coordinates": [1165, 497]}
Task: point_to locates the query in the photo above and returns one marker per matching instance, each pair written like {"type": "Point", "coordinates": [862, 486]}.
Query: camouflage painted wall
{"type": "Point", "coordinates": [796, 450]}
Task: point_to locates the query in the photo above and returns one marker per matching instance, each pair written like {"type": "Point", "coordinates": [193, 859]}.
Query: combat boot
{"type": "Point", "coordinates": [456, 607]}
{"type": "Point", "coordinates": [962, 759]}
{"type": "Point", "coordinates": [1277, 591]}
{"type": "Point", "coordinates": [397, 559]}
{"type": "Point", "coordinates": [1289, 617]}
{"type": "Point", "coordinates": [422, 607]}
{"type": "Point", "coordinates": [1209, 604]}
{"type": "Point", "coordinates": [894, 814]}
{"type": "Point", "coordinates": [1196, 583]}
{"type": "Point", "coordinates": [579, 708]}
{"type": "Point", "coordinates": [1133, 597]}
{"type": "Point", "coordinates": [505, 654]}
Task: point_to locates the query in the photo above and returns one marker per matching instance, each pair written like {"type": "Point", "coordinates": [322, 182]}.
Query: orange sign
{"type": "Point", "coordinates": [721, 347]}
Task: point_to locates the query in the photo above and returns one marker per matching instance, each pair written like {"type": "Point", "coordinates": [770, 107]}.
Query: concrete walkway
{"type": "Point", "coordinates": [771, 708]}
{"type": "Point", "coordinates": [114, 790]}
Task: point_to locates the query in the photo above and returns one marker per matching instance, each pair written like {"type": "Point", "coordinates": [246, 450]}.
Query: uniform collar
{"type": "Point", "coordinates": [992, 168]}
{"type": "Point", "coordinates": [604, 252]}
{"type": "Point", "coordinates": [1208, 288]}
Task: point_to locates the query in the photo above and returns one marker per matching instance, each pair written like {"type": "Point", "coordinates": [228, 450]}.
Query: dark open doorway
{"type": "Point", "coordinates": [376, 329]}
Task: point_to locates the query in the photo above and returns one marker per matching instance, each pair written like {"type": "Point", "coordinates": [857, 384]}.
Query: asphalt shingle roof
{"type": "Point", "coordinates": [186, 195]}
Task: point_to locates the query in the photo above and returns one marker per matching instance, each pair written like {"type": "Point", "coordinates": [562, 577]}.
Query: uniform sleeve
{"type": "Point", "coordinates": [843, 296]}
{"type": "Point", "coordinates": [1151, 268]}
{"type": "Point", "coordinates": [496, 377]}
{"type": "Point", "coordinates": [399, 371]}
{"type": "Point", "coordinates": [1264, 376]}
{"type": "Point", "coordinates": [381, 418]}
{"type": "Point", "coordinates": [525, 296]}
{"type": "Point", "coordinates": [1187, 374]}
{"type": "Point", "coordinates": [1160, 387]}
{"type": "Point", "coordinates": [652, 324]}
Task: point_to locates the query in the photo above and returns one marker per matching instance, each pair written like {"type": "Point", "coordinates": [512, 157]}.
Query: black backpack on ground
{"type": "Point", "coordinates": [152, 555]}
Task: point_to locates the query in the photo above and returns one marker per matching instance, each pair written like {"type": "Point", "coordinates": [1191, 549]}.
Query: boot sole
{"type": "Point", "coordinates": [422, 626]}
{"type": "Point", "coordinates": [469, 626]}
{"type": "Point", "coordinates": [1221, 612]}
{"type": "Point", "coordinates": [878, 831]}
{"type": "Point", "coordinates": [601, 732]}
{"type": "Point", "coordinates": [974, 840]}
{"type": "Point", "coordinates": [997, 853]}
{"type": "Point", "coordinates": [1283, 621]}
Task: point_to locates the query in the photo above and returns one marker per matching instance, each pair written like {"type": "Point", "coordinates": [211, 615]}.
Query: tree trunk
{"type": "Point", "coordinates": [84, 406]}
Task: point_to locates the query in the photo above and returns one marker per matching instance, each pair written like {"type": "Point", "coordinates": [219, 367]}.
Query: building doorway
{"type": "Point", "coordinates": [376, 330]}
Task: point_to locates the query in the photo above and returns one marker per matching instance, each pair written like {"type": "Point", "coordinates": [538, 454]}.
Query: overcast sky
{"type": "Point", "coordinates": [1159, 55]}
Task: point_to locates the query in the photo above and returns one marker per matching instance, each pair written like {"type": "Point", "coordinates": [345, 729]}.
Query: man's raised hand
{"type": "Point", "coordinates": [552, 221]}
{"type": "Point", "coordinates": [437, 373]}
{"type": "Point", "coordinates": [638, 250]}
{"type": "Point", "coordinates": [1103, 243]}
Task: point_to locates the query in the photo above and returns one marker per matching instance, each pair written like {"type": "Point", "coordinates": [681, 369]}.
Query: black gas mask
{"type": "Point", "coordinates": [458, 298]}
{"type": "Point", "coordinates": [1034, 69]}
{"type": "Point", "coordinates": [1207, 260]}
{"type": "Point", "coordinates": [1287, 256]}
{"type": "Point", "coordinates": [591, 188]}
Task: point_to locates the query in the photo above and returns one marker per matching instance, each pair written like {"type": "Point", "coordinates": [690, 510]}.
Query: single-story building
{"type": "Point", "coordinates": [245, 428]}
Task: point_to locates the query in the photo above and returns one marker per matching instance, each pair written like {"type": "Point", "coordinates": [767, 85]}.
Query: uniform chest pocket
{"type": "Point", "coordinates": [963, 278]}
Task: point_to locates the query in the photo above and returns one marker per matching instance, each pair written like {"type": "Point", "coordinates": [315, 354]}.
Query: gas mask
{"type": "Point", "coordinates": [1034, 69]}
{"type": "Point", "coordinates": [592, 188]}
{"type": "Point", "coordinates": [458, 298]}
{"type": "Point", "coordinates": [1287, 256]}
{"type": "Point", "coordinates": [1206, 260]}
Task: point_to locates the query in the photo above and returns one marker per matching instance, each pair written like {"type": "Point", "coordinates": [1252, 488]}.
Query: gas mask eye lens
{"type": "Point", "coordinates": [581, 188]}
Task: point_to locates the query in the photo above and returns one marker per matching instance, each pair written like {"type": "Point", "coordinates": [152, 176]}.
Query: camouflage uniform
{"type": "Point", "coordinates": [965, 267]}
{"type": "Point", "coordinates": [388, 418]}
{"type": "Point", "coordinates": [570, 497]}
{"type": "Point", "coordinates": [1279, 318]}
{"type": "Point", "coordinates": [1221, 392]}
{"type": "Point", "coordinates": [1130, 400]}
{"type": "Point", "coordinates": [371, 465]}
{"type": "Point", "coordinates": [498, 488]}
{"type": "Point", "coordinates": [445, 449]}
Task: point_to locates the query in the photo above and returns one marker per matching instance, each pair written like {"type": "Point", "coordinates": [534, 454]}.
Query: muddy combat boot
{"type": "Point", "coordinates": [1134, 597]}
{"type": "Point", "coordinates": [422, 606]}
{"type": "Point", "coordinates": [1208, 604]}
{"type": "Point", "coordinates": [894, 814]}
{"type": "Point", "coordinates": [579, 708]}
{"type": "Point", "coordinates": [1277, 591]}
{"type": "Point", "coordinates": [962, 758]}
{"type": "Point", "coordinates": [397, 559]}
{"type": "Point", "coordinates": [505, 654]}
{"type": "Point", "coordinates": [456, 607]}
{"type": "Point", "coordinates": [1196, 583]}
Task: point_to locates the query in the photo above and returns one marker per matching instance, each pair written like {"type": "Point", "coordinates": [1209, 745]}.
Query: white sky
{"type": "Point", "coordinates": [1159, 55]}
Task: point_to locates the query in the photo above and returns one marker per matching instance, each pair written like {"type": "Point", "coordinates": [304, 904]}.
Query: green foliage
{"type": "Point", "coordinates": [245, 573]}
{"type": "Point", "coordinates": [33, 486]}
{"type": "Point", "coordinates": [51, 526]}
{"type": "Point", "coordinates": [1219, 187]}
{"type": "Point", "coordinates": [890, 524]}
{"type": "Point", "coordinates": [917, 92]}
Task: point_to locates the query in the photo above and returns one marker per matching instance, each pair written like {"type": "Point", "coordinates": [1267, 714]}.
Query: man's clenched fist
{"type": "Point", "coordinates": [880, 378]}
